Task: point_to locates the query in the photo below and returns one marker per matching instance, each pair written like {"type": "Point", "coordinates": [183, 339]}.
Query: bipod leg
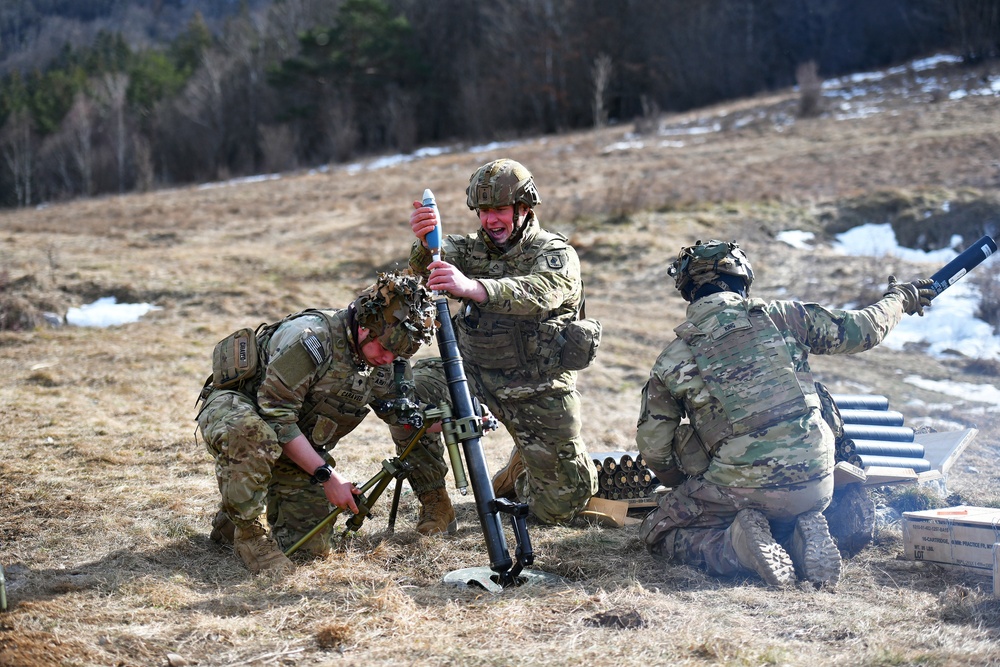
{"type": "Point", "coordinates": [522, 553]}
{"type": "Point", "coordinates": [394, 508]}
{"type": "Point", "coordinates": [394, 468]}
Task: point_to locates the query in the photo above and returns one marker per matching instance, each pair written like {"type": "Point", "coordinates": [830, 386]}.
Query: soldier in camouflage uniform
{"type": "Point", "coordinates": [319, 374]}
{"type": "Point", "coordinates": [731, 419]}
{"type": "Point", "coordinates": [519, 287]}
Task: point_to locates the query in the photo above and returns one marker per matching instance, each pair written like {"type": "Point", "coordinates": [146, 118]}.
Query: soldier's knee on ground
{"type": "Point", "coordinates": [558, 508]}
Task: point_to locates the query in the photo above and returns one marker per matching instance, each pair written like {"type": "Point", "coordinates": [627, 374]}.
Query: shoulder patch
{"type": "Point", "coordinates": [313, 347]}
{"type": "Point", "coordinates": [383, 376]}
{"type": "Point", "coordinates": [555, 260]}
{"type": "Point", "coordinates": [295, 364]}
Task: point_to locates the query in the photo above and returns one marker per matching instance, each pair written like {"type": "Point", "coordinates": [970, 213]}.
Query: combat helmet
{"type": "Point", "coordinates": [710, 263]}
{"type": "Point", "coordinates": [502, 182]}
{"type": "Point", "coordinates": [399, 311]}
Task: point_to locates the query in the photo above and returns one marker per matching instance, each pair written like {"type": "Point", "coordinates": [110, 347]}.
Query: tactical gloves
{"type": "Point", "coordinates": [916, 295]}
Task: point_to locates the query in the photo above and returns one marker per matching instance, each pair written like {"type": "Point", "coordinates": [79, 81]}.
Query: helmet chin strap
{"type": "Point", "coordinates": [519, 225]}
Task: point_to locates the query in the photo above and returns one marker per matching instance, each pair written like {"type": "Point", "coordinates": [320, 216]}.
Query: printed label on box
{"type": "Point", "coordinates": [958, 536]}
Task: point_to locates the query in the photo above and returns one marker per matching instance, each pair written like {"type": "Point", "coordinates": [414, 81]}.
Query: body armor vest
{"type": "Point", "coordinates": [329, 417]}
{"type": "Point", "coordinates": [747, 370]}
{"type": "Point", "coordinates": [506, 342]}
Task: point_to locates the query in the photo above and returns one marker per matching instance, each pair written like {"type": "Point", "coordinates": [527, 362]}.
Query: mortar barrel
{"type": "Point", "coordinates": [866, 460]}
{"type": "Point", "coordinates": [869, 432]}
{"type": "Point", "coordinates": [860, 402]}
{"type": "Point", "coordinates": [874, 417]}
{"type": "Point", "coordinates": [912, 450]}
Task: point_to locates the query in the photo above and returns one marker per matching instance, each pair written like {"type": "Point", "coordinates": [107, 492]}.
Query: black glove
{"type": "Point", "coordinates": [672, 478]}
{"type": "Point", "coordinates": [916, 295]}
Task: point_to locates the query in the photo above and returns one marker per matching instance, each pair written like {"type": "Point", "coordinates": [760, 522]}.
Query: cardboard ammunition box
{"type": "Point", "coordinates": [962, 535]}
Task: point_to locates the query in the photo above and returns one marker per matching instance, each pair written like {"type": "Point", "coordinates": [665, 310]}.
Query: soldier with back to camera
{"type": "Point", "coordinates": [731, 419]}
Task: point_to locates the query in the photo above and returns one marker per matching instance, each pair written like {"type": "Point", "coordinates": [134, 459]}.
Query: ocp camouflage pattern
{"type": "Point", "coordinates": [534, 289]}
{"type": "Point", "coordinates": [325, 398]}
{"type": "Point", "coordinates": [794, 450]}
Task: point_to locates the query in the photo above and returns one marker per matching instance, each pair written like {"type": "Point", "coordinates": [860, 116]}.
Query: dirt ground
{"type": "Point", "coordinates": [106, 497]}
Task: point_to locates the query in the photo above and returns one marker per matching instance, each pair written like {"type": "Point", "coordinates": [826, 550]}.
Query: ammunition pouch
{"type": "Point", "coordinates": [235, 359]}
{"type": "Point", "coordinates": [497, 348]}
{"type": "Point", "coordinates": [690, 452]}
{"type": "Point", "coordinates": [581, 339]}
{"type": "Point", "coordinates": [830, 412]}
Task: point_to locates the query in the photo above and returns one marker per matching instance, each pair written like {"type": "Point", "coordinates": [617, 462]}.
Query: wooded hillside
{"type": "Point", "coordinates": [104, 96]}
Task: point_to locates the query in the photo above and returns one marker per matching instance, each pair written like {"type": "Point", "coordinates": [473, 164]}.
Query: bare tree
{"type": "Point", "coordinates": [111, 90]}
{"type": "Point", "coordinates": [601, 73]}
{"type": "Point", "coordinates": [400, 123]}
{"type": "Point", "coordinates": [17, 147]}
{"type": "Point", "coordinates": [203, 103]}
{"type": "Point", "coordinates": [144, 169]}
{"type": "Point", "coordinates": [810, 89]}
{"type": "Point", "coordinates": [244, 42]}
{"type": "Point", "coordinates": [278, 144]}
{"type": "Point", "coordinates": [976, 25]}
{"type": "Point", "coordinates": [78, 126]}
{"type": "Point", "coordinates": [341, 127]}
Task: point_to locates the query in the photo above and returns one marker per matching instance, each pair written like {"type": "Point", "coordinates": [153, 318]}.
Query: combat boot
{"type": "Point", "coordinates": [258, 550]}
{"type": "Point", "coordinates": [814, 553]}
{"type": "Point", "coordinates": [223, 528]}
{"type": "Point", "coordinates": [503, 481]}
{"type": "Point", "coordinates": [436, 513]}
{"type": "Point", "coordinates": [755, 548]}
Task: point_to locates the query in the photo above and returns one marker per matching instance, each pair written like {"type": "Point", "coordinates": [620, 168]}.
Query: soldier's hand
{"type": "Point", "coordinates": [341, 493]}
{"type": "Point", "coordinates": [423, 220]}
{"type": "Point", "coordinates": [446, 278]}
{"type": "Point", "coordinates": [916, 295]}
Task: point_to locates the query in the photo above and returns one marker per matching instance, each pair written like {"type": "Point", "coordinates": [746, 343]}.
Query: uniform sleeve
{"type": "Point", "coordinates": [554, 281]}
{"type": "Point", "coordinates": [831, 331]}
{"type": "Point", "coordinates": [420, 257]}
{"type": "Point", "coordinates": [659, 415]}
{"type": "Point", "coordinates": [287, 379]}
{"type": "Point", "coordinates": [451, 246]}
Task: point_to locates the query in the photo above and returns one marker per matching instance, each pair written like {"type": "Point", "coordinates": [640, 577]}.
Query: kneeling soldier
{"type": "Point", "coordinates": [731, 419]}
{"type": "Point", "coordinates": [281, 398]}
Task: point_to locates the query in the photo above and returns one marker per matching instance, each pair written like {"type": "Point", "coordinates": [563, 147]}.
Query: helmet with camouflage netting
{"type": "Point", "coordinates": [399, 311]}
{"type": "Point", "coordinates": [711, 263]}
{"type": "Point", "coordinates": [499, 183]}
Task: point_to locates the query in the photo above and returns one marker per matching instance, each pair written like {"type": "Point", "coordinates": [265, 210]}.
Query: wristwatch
{"type": "Point", "coordinates": [322, 474]}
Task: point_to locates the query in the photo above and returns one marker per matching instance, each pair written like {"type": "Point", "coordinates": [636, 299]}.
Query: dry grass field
{"type": "Point", "coordinates": [106, 497]}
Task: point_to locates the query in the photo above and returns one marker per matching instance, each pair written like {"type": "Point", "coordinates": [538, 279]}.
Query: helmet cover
{"type": "Point", "coordinates": [502, 182]}
{"type": "Point", "coordinates": [399, 311]}
{"type": "Point", "coordinates": [705, 262]}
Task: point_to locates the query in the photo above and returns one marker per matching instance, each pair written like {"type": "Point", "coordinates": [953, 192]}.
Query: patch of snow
{"type": "Point", "coordinates": [106, 312]}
